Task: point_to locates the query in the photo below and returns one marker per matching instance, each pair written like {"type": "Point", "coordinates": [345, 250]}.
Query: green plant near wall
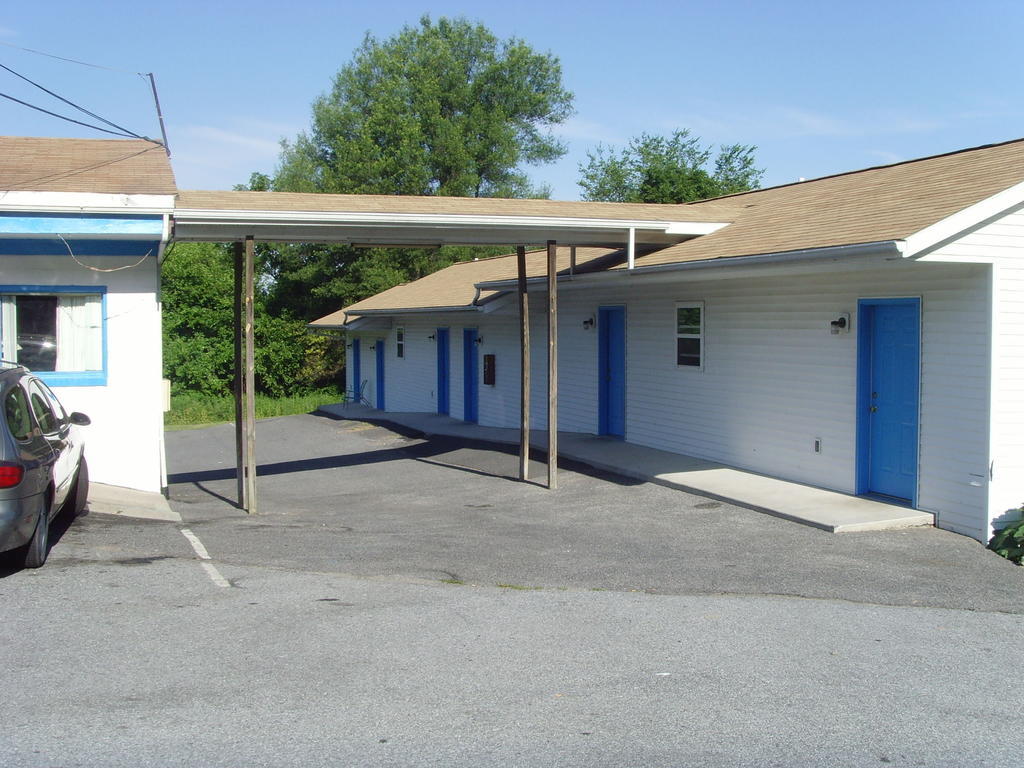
{"type": "Point", "coordinates": [1009, 542]}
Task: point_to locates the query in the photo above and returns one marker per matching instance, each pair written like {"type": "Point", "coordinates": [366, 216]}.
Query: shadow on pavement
{"type": "Point", "coordinates": [475, 456]}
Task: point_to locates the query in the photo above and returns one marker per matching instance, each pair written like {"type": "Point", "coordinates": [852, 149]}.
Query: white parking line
{"type": "Point", "coordinates": [200, 550]}
{"type": "Point", "coordinates": [214, 575]}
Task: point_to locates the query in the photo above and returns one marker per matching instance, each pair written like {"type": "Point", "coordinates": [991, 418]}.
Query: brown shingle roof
{"type": "Point", "coordinates": [873, 205]}
{"type": "Point", "coordinates": [115, 166]}
{"type": "Point", "coordinates": [454, 286]}
{"type": "Point", "coordinates": [479, 206]}
{"type": "Point", "coordinates": [877, 204]}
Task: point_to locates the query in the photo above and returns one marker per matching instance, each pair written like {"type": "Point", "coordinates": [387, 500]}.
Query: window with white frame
{"type": "Point", "coordinates": [400, 342]}
{"type": "Point", "coordinates": [56, 331]}
{"type": "Point", "coordinates": [690, 334]}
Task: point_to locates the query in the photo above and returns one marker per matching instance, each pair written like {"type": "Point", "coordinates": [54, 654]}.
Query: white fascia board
{"type": "Point", "coordinates": [695, 227]}
{"type": "Point", "coordinates": [413, 311]}
{"type": "Point", "coordinates": [360, 324]}
{"type": "Point", "coordinates": [951, 226]}
{"type": "Point", "coordinates": [834, 252]}
{"type": "Point", "coordinates": [85, 202]}
{"type": "Point", "coordinates": [469, 221]}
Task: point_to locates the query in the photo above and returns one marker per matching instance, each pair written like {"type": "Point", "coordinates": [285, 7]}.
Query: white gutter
{"type": "Point", "coordinates": [85, 202]}
{"type": "Point", "coordinates": [413, 311]}
{"type": "Point", "coordinates": [262, 217]}
{"type": "Point", "coordinates": [165, 239]}
{"type": "Point", "coordinates": [894, 247]}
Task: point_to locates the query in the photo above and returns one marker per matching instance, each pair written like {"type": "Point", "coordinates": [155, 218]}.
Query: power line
{"type": "Point", "coordinates": [69, 119]}
{"type": "Point", "coordinates": [71, 103]}
{"type": "Point", "coordinates": [72, 61]}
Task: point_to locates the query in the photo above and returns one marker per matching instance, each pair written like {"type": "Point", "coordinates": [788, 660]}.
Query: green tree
{"type": "Point", "coordinates": [441, 108]}
{"type": "Point", "coordinates": [667, 169]}
{"type": "Point", "coordinates": [198, 318]}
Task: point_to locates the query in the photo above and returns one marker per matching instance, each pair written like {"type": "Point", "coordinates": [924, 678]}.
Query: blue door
{"type": "Point", "coordinates": [357, 373]}
{"type": "Point", "coordinates": [611, 366]}
{"type": "Point", "coordinates": [443, 370]}
{"type": "Point", "coordinates": [470, 387]}
{"type": "Point", "coordinates": [379, 350]}
{"type": "Point", "coordinates": [889, 362]}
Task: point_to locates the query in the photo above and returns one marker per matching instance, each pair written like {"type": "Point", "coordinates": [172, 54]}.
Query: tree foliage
{"type": "Point", "coordinates": [667, 169]}
{"type": "Point", "coordinates": [198, 310]}
{"type": "Point", "coordinates": [441, 108]}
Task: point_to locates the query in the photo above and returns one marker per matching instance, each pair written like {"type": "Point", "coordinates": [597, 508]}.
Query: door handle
{"type": "Point", "coordinates": [873, 408]}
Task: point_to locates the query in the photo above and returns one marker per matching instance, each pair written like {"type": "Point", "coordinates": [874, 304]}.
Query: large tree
{"type": "Point", "coordinates": [667, 169]}
{"type": "Point", "coordinates": [441, 108]}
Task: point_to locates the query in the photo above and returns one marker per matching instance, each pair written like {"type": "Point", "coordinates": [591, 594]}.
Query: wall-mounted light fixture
{"type": "Point", "coordinates": [479, 340]}
{"type": "Point", "coordinates": [588, 324]}
{"type": "Point", "coordinates": [432, 337]}
{"type": "Point", "coordinates": [841, 324]}
{"type": "Point", "coordinates": [349, 345]}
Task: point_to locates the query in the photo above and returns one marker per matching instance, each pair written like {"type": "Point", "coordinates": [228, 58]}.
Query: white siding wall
{"type": "Point", "coordinates": [1002, 242]}
{"type": "Point", "coordinates": [125, 442]}
{"type": "Point", "coordinates": [774, 378]}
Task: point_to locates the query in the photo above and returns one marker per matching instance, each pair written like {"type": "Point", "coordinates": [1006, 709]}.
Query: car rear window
{"type": "Point", "coordinates": [17, 414]}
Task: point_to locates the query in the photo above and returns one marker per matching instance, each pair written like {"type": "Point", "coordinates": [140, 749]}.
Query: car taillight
{"type": "Point", "coordinates": [10, 474]}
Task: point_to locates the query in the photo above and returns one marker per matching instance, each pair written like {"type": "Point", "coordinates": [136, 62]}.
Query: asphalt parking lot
{"type": "Point", "coordinates": [366, 500]}
{"type": "Point", "coordinates": [401, 601]}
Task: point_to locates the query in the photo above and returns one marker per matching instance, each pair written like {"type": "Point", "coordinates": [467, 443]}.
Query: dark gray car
{"type": "Point", "coordinates": [42, 464]}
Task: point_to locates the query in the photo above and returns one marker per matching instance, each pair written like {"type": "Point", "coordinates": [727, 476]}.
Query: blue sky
{"type": "Point", "coordinates": [819, 87]}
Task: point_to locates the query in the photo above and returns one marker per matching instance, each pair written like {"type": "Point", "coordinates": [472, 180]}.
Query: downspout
{"type": "Point", "coordinates": [631, 250]}
{"type": "Point", "coordinates": [165, 384]}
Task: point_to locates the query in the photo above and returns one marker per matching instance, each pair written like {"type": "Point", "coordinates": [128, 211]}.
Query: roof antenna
{"type": "Point", "coordinates": [159, 114]}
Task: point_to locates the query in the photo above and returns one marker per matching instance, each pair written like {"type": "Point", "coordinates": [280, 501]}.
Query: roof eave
{"type": "Point", "coordinates": [953, 226]}
{"type": "Point", "coordinates": [427, 229]}
{"type": "Point", "coordinates": [882, 247]}
{"type": "Point", "coordinates": [412, 310]}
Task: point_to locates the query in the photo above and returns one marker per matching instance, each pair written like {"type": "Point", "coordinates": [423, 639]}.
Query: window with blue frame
{"type": "Point", "coordinates": [58, 332]}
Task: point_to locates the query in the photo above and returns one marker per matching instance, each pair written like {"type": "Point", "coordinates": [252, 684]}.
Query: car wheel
{"type": "Point", "coordinates": [75, 505]}
{"type": "Point", "coordinates": [39, 547]}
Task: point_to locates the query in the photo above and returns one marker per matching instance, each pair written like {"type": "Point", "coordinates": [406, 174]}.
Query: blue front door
{"type": "Point", "coordinates": [443, 370]}
{"type": "Point", "coordinates": [379, 350]}
{"type": "Point", "coordinates": [889, 373]}
{"type": "Point", "coordinates": [357, 374]}
{"type": "Point", "coordinates": [469, 374]}
{"type": "Point", "coordinates": [611, 366]}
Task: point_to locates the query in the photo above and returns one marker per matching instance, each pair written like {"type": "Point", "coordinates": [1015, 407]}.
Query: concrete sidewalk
{"type": "Point", "coordinates": [128, 502]}
{"type": "Point", "coordinates": [828, 510]}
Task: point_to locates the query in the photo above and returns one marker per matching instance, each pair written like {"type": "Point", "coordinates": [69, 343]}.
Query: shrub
{"type": "Point", "coordinates": [1009, 542]}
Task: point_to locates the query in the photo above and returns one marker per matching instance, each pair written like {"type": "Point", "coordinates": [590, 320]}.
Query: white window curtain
{"type": "Point", "coordinates": [80, 333]}
{"type": "Point", "coordinates": [9, 328]}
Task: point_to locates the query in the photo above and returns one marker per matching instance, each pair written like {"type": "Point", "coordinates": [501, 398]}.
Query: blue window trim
{"type": "Point", "coordinates": [71, 378]}
{"type": "Point", "coordinates": [864, 388]}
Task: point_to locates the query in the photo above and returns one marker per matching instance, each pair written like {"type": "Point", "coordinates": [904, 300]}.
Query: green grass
{"type": "Point", "coordinates": [192, 410]}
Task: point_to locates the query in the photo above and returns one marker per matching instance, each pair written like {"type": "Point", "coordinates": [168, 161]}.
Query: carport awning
{"type": "Point", "coordinates": [376, 220]}
{"type": "Point", "coordinates": [388, 220]}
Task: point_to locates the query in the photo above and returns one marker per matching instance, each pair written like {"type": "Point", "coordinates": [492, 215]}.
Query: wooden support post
{"type": "Point", "coordinates": [250, 377]}
{"type": "Point", "coordinates": [552, 365]}
{"type": "Point", "coordinates": [239, 383]}
{"type": "Point", "coordinates": [524, 357]}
